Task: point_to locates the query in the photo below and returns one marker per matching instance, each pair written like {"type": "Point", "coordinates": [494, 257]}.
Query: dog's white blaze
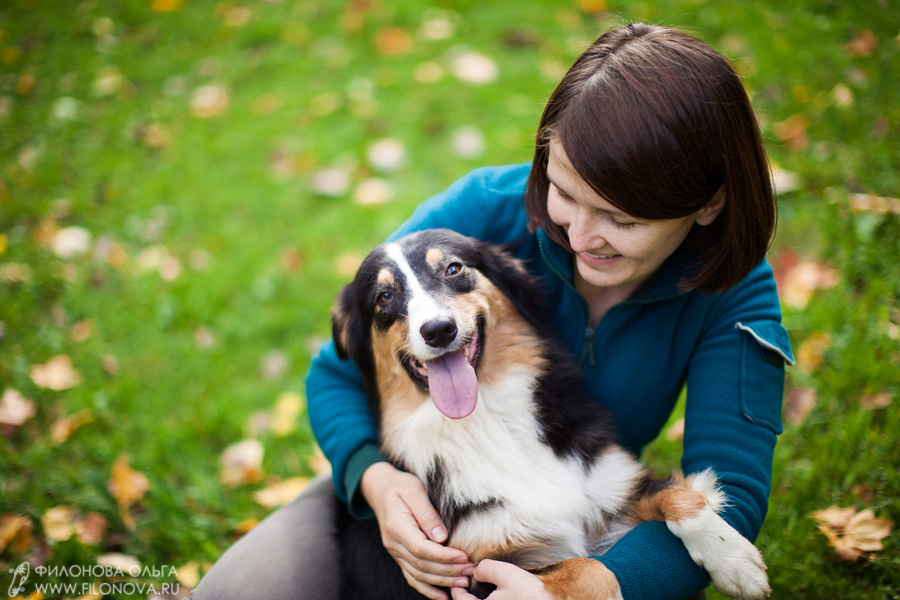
{"type": "Point", "coordinates": [421, 306]}
{"type": "Point", "coordinates": [505, 426]}
{"type": "Point", "coordinates": [735, 565]}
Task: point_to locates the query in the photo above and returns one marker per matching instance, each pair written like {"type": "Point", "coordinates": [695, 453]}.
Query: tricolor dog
{"type": "Point", "coordinates": [473, 397]}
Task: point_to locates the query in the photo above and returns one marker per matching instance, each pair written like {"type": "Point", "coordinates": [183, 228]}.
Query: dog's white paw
{"type": "Point", "coordinates": [735, 565]}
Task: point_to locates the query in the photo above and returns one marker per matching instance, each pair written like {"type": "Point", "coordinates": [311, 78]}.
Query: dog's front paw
{"type": "Point", "coordinates": [733, 562]}
{"type": "Point", "coordinates": [578, 578]}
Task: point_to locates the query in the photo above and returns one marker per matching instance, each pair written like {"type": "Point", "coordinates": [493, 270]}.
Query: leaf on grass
{"type": "Point", "coordinates": [333, 182]}
{"type": "Point", "coordinates": [797, 283]}
{"type": "Point", "coordinates": [318, 462]}
{"type": "Point", "coordinates": [15, 409]}
{"type": "Point", "coordinates": [864, 44]}
{"type": "Point", "coordinates": [65, 427]}
{"type": "Point", "coordinates": [209, 101]}
{"type": "Point", "coordinates": [71, 242]}
{"type": "Point", "coordinates": [188, 574]}
{"type": "Point", "coordinates": [166, 6]}
{"type": "Point", "coordinates": [15, 533]}
{"type": "Point", "coordinates": [474, 68]}
{"type": "Point", "coordinates": [241, 463]}
{"type": "Point", "coordinates": [393, 41]}
{"type": "Point", "coordinates": [873, 203]}
{"type": "Point", "coordinates": [59, 523]}
{"type": "Point", "coordinates": [123, 562]}
{"type": "Point", "coordinates": [676, 431]}
{"type": "Point", "coordinates": [287, 410]}
{"type": "Point", "coordinates": [281, 492]}
{"type": "Point", "coordinates": [812, 351]}
{"type": "Point", "coordinates": [82, 330]}
{"type": "Point", "coordinates": [91, 528]}
{"type": "Point", "coordinates": [274, 365]}
{"type": "Point", "coordinates": [792, 132]}
{"type": "Point", "coordinates": [798, 403]}
{"type": "Point", "coordinates": [56, 374]}
{"type": "Point", "coordinates": [347, 264]}
{"type": "Point", "coordinates": [127, 486]}
{"type": "Point", "coordinates": [875, 401]}
{"type": "Point", "coordinates": [853, 534]}
{"type": "Point", "coordinates": [373, 191]}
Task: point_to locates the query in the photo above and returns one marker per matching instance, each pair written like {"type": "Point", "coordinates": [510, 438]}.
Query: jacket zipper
{"type": "Point", "coordinates": [587, 348]}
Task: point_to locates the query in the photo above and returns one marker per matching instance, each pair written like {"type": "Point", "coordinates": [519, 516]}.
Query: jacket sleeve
{"type": "Point", "coordinates": [735, 384]}
{"type": "Point", "coordinates": [486, 204]}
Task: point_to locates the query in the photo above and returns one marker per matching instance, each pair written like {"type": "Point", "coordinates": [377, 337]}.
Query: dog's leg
{"type": "Point", "coordinates": [579, 578]}
{"type": "Point", "coordinates": [689, 508]}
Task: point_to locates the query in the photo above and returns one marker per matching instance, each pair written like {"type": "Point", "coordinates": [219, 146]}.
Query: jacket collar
{"type": "Point", "coordinates": [661, 286]}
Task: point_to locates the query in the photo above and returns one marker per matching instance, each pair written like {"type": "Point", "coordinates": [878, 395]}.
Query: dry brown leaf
{"type": "Point", "coordinates": [593, 7]}
{"type": "Point", "coordinates": [864, 44]}
{"type": "Point", "coordinates": [63, 429]}
{"type": "Point", "coordinates": [798, 403]}
{"type": "Point", "coordinates": [15, 409]}
{"type": "Point", "coordinates": [59, 523]}
{"type": "Point", "coordinates": [875, 401]}
{"type": "Point", "coordinates": [393, 41]}
{"type": "Point", "coordinates": [15, 533]}
{"type": "Point", "coordinates": [792, 132]}
{"type": "Point", "coordinates": [853, 534]}
{"type": "Point", "coordinates": [71, 242]}
{"type": "Point", "coordinates": [82, 330]}
{"type": "Point", "coordinates": [346, 264]}
{"type": "Point", "coordinates": [56, 374]}
{"type": "Point", "coordinates": [281, 492]}
{"type": "Point", "coordinates": [244, 526]}
{"type": "Point", "coordinates": [127, 486]}
{"type": "Point", "coordinates": [474, 68]}
{"type": "Point", "coordinates": [91, 528]}
{"type": "Point", "coordinates": [241, 463]}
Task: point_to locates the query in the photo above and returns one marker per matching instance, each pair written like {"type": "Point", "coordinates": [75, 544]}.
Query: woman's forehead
{"type": "Point", "coordinates": [563, 176]}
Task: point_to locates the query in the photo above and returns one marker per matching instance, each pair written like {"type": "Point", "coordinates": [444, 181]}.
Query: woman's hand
{"type": "Point", "coordinates": [412, 531]}
{"type": "Point", "coordinates": [512, 583]}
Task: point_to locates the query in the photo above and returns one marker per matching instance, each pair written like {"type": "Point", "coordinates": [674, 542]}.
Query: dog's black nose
{"type": "Point", "coordinates": [439, 333]}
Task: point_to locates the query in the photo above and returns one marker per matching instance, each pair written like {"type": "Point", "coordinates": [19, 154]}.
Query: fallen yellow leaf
{"type": "Point", "coordinates": [127, 486]}
{"type": "Point", "coordinates": [63, 429]}
{"type": "Point", "coordinates": [853, 534]}
{"type": "Point", "coordinates": [15, 533]}
{"type": "Point", "coordinates": [59, 523]}
{"type": "Point", "coordinates": [15, 409]}
{"type": "Point", "coordinates": [287, 410]}
{"type": "Point", "coordinates": [811, 352]}
{"type": "Point", "coordinates": [281, 492]}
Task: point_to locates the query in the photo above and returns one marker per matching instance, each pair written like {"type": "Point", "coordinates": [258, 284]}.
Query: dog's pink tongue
{"type": "Point", "coordinates": [453, 385]}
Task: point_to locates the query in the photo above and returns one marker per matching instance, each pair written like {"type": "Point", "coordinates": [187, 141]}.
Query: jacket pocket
{"type": "Point", "coordinates": [765, 348]}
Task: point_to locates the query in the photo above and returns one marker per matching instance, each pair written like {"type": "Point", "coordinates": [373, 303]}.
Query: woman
{"type": "Point", "coordinates": [648, 209]}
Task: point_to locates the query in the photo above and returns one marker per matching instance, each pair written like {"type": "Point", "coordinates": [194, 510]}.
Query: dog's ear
{"type": "Point", "coordinates": [346, 322]}
{"type": "Point", "coordinates": [509, 275]}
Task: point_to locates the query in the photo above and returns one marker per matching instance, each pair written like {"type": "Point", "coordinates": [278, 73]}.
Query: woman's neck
{"type": "Point", "coordinates": [601, 299]}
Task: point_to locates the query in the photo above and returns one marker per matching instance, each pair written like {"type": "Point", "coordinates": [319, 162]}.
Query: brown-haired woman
{"type": "Point", "coordinates": [647, 212]}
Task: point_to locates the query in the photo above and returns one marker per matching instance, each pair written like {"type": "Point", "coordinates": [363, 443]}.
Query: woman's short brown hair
{"type": "Point", "coordinates": [657, 122]}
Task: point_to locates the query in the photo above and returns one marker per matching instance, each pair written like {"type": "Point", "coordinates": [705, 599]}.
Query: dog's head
{"type": "Point", "coordinates": [421, 312]}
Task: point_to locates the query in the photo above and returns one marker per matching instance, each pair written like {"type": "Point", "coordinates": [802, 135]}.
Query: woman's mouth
{"type": "Point", "coordinates": [599, 259]}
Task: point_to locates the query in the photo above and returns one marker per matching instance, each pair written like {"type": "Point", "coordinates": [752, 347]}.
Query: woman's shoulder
{"type": "Point", "coordinates": [485, 204]}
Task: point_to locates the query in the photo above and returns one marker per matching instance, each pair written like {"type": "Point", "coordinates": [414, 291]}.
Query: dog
{"type": "Point", "coordinates": [472, 394]}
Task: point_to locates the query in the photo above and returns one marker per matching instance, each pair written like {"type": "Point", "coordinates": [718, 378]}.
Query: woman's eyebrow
{"type": "Point", "coordinates": [614, 211]}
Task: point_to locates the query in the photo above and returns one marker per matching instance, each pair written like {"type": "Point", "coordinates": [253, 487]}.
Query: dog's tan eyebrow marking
{"type": "Point", "coordinates": [434, 256]}
{"type": "Point", "coordinates": [385, 277]}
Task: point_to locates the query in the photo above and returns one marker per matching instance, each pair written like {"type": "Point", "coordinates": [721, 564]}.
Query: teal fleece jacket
{"type": "Point", "coordinates": [729, 349]}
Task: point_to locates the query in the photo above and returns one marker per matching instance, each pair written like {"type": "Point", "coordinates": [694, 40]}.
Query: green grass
{"type": "Point", "coordinates": [309, 89]}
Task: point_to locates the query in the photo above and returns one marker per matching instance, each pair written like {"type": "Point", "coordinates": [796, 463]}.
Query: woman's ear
{"type": "Point", "coordinates": [712, 208]}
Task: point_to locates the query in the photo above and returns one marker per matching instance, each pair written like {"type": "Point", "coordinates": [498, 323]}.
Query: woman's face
{"type": "Point", "coordinates": [612, 249]}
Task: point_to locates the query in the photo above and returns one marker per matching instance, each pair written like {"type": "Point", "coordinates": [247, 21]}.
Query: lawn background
{"type": "Point", "coordinates": [218, 242]}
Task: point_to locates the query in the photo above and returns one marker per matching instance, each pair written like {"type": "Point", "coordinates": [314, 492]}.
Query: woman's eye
{"type": "Point", "coordinates": [383, 297]}
{"type": "Point", "coordinates": [454, 269]}
{"type": "Point", "coordinates": [621, 225]}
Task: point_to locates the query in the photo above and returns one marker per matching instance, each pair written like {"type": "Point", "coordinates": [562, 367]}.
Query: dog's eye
{"type": "Point", "coordinates": [454, 269]}
{"type": "Point", "coordinates": [384, 297]}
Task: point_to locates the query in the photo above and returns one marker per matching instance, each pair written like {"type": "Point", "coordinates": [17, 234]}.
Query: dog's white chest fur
{"type": "Point", "coordinates": [495, 458]}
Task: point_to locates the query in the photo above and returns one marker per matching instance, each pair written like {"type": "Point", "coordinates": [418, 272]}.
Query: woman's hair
{"type": "Point", "coordinates": [657, 123]}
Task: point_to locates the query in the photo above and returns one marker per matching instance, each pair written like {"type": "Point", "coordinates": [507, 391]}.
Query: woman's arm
{"type": "Point", "coordinates": [733, 415]}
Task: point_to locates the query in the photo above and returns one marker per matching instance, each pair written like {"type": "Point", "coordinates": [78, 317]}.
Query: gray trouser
{"type": "Point", "coordinates": [290, 555]}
